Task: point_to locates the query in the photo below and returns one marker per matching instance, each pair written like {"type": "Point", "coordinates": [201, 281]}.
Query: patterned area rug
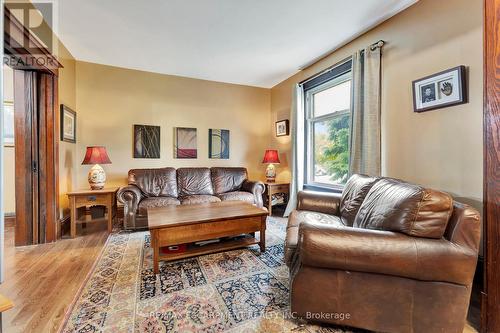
{"type": "Point", "coordinates": [234, 291]}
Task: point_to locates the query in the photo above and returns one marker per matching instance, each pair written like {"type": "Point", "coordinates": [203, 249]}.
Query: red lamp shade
{"type": "Point", "coordinates": [96, 155]}
{"type": "Point", "coordinates": [271, 156]}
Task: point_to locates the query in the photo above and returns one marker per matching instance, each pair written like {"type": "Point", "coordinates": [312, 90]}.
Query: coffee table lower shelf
{"type": "Point", "coordinates": [211, 248]}
{"type": "Point", "coordinates": [193, 223]}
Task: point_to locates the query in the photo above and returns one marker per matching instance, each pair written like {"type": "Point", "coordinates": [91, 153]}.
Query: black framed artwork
{"type": "Point", "coordinates": [282, 127]}
{"type": "Point", "coordinates": [68, 124]}
{"type": "Point", "coordinates": [146, 141]}
{"type": "Point", "coordinates": [440, 90]}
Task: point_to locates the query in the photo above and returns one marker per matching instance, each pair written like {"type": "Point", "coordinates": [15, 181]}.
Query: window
{"type": "Point", "coordinates": [327, 128]}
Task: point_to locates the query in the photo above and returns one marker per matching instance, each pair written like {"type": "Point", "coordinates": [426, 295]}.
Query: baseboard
{"type": "Point", "coordinates": [10, 219]}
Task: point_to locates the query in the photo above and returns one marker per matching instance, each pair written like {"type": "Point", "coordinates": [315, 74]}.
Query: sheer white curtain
{"type": "Point", "coordinates": [365, 116]}
{"type": "Point", "coordinates": [297, 120]}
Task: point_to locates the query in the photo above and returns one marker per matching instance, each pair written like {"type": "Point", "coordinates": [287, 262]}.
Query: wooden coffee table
{"type": "Point", "coordinates": [174, 225]}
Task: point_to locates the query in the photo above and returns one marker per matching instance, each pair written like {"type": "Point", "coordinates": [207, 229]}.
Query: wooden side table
{"type": "Point", "coordinates": [274, 188]}
{"type": "Point", "coordinates": [83, 198]}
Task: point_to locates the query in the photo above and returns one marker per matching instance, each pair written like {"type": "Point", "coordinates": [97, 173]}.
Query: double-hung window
{"type": "Point", "coordinates": [327, 128]}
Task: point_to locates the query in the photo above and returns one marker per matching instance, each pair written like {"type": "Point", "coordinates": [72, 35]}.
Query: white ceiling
{"type": "Point", "coordinates": [252, 42]}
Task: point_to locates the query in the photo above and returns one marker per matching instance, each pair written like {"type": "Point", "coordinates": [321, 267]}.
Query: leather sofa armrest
{"type": "Point", "coordinates": [385, 252]}
{"type": "Point", "coordinates": [257, 188]}
{"type": "Point", "coordinates": [130, 196]}
{"type": "Point", "coordinates": [321, 202]}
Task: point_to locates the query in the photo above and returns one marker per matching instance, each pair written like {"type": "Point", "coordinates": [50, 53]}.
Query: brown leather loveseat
{"type": "Point", "coordinates": [167, 186]}
{"type": "Point", "coordinates": [385, 256]}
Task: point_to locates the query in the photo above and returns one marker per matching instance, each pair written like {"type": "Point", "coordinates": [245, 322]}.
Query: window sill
{"type": "Point", "coordinates": [319, 188]}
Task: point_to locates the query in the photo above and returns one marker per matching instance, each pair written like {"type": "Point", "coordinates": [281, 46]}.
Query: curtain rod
{"type": "Point", "coordinates": [378, 44]}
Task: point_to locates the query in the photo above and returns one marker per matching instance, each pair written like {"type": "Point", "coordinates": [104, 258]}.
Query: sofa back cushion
{"type": "Point", "coordinates": [160, 182]}
{"type": "Point", "coordinates": [192, 181]}
{"type": "Point", "coordinates": [228, 179]}
{"type": "Point", "coordinates": [354, 193]}
{"type": "Point", "coordinates": [394, 205]}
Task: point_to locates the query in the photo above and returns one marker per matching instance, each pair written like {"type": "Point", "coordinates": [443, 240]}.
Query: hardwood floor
{"type": "Point", "coordinates": [42, 280]}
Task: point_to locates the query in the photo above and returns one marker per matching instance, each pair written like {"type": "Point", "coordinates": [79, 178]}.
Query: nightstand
{"type": "Point", "coordinates": [85, 198]}
{"type": "Point", "coordinates": [273, 189]}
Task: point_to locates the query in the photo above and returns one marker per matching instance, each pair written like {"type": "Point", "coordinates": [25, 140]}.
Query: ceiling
{"type": "Point", "coordinates": [251, 42]}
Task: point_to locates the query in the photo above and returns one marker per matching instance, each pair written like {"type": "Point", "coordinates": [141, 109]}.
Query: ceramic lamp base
{"type": "Point", "coordinates": [271, 173]}
{"type": "Point", "coordinates": [97, 177]}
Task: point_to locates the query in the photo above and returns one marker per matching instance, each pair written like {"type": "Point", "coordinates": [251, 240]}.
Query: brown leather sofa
{"type": "Point", "coordinates": [385, 255]}
{"type": "Point", "coordinates": [168, 186]}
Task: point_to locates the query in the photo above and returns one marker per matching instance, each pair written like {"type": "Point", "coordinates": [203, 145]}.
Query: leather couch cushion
{"type": "Point", "coordinates": [237, 196]}
{"type": "Point", "coordinates": [194, 181]}
{"type": "Point", "coordinates": [198, 199]}
{"type": "Point", "coordinates": [354, 193]}
{"type": "Point", "coordinates": [154, 182]}
{"type": "Point", "coordinates": [294, 221]}
{"type": "Point", "coordinates": [156, 202]}
{"type": "Point", "coordinates": [228, 179]}
{"type": "Point", "coordinates": [394, 205]}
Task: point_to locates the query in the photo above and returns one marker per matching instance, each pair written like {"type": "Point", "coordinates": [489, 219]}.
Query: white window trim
{"type": "Point", "coordinates": [309, 132]}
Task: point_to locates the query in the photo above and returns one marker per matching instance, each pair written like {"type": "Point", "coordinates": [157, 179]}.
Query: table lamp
{"type": "Point", "coordinates": [96, 155]}
{"type": "Point", "coordinates": [271, 157]}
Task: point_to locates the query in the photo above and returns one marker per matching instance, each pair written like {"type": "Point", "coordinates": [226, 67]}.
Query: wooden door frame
{"type": "Point", "coordinates": [490, 309]}
{"type": "Point", "coordinates": [16, 36]}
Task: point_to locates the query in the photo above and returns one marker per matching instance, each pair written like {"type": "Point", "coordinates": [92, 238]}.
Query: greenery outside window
{"type": "Point", "coordinates": [327, 129]}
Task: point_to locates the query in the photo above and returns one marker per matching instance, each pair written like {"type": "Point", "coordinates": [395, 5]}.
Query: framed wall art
{"type": "Point", "coordinates": [282, 127]}
{"type": "Point", "coordinates": [218, 143]}
{"type": "Point", "coordinates": [146, 141]}
{"type": "Point", "coordinates": [185, 143]}
{"type": "Point", "coordinates": [440, 90]}
{"type": "Point", "coordinates": [8, 124]}
{"type": "Point", "coordinates": [68, 124]}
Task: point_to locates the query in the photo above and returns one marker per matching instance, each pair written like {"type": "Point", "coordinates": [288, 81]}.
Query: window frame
{"type": "Point", "coordinates": [337, 75]}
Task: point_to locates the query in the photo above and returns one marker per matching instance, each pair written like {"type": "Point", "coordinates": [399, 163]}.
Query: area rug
{"type": "Point", "coordinates": [233, 291]}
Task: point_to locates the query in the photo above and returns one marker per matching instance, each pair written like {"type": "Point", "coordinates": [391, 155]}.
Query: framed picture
{"type": "Point", "coordinates": [8, 124]}
{"type": "Point", "coordinates": [440, 90]}
{"type": "Point", "coordinates": [218, 144]}
{"type": "Point", "coordinates": [68, 124]}
{"type": "Point", "coordinates": [185, 142]}
{"type": "Point", "coordinates": [282, 128]}
{"type": "Point", "coordinates": [146, 141]}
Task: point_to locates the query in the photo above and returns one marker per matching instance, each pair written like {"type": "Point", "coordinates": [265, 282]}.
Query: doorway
{"type": "Point", "coordinates": [36, 155]}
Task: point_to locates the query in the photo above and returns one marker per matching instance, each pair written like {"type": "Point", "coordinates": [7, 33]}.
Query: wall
{"type": "Point", "coordinates": [111, 100]}
{"type": "Point", "coordinates": [9, 176]}
{"type": "Point", "coordinates": [67, 151]}
{"type": "Point", "coordinates": [440, 149]}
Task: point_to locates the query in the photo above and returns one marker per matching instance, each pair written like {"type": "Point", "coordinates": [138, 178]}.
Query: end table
{"type": "Point", "coordinates": [275, 188]}
{"type": "Point", "coordinates": [83, 198]}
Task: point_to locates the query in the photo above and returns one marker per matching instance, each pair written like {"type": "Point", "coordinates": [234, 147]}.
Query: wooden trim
{"type": "Point", "coordinates": [23, 88]}
{"type": "Point", "coordinates": [490, 320]}
{"type": "Point", "coordinates": [10, 220]}
{"type": "Point", "coordinates": [37, 129]}
{"type": "Point", "coordinates": [15, 37]}
{"type": "Point", "coordinates": [55, 131]}
{"type": "Point", "coordinates": [37, 157]}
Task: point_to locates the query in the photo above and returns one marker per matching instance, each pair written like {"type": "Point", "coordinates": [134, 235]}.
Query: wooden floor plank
{"type": "Point", "coordinates": [42, 280]}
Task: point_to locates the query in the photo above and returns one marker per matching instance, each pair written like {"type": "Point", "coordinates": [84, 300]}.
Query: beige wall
{"type": "Point", "coordinates": [9, 176]}
{"type": "Point", "coordinates": [67, 151]}
{"type": "Point", "coordinates": [443, 148]}
{"type": "Point", "coordinates": [111, 100]}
